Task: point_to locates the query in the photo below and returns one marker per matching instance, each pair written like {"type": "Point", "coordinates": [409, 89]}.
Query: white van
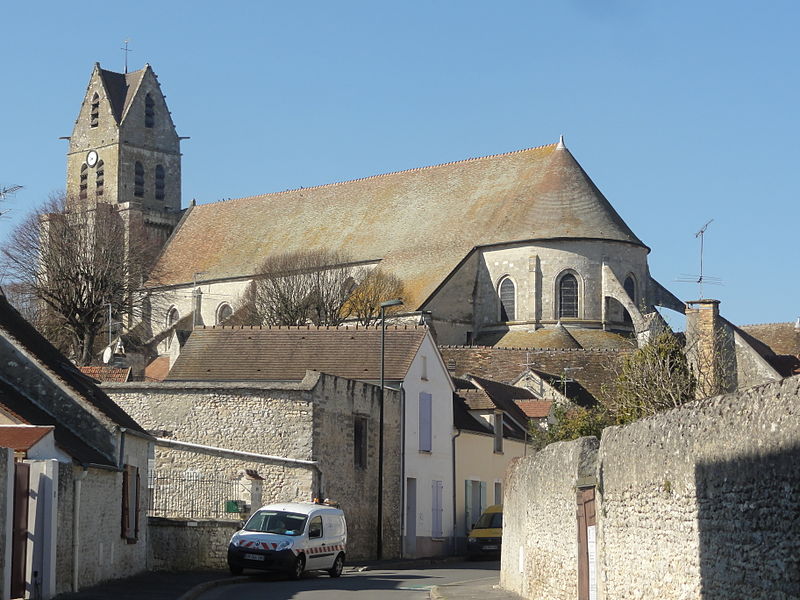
{"type": "Point", "coordinates": [293, 537]}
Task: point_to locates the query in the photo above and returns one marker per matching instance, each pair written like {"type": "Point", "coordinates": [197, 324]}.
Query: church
{"type": "Point", "coordinates": [519, 249]}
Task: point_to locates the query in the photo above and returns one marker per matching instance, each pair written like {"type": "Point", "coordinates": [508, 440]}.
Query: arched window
{"type": "Point", "coordinates": [224, 312]}
{"type": "Point", "coordinates": [138, 180]}
{"type": "Point", "coordinates": [99, 179]}
{"type": "Point", "coordinates": [94, 116]}
{"type": "Point", "coordinates": [149, 111]}
{"type": "Point", "coordinates": [159, 182]}
{"type": "Point", "coordinates": [568, 297]}
{"type": "Point", "coordinates": [173, 316]}
{"type": "Point", "coordinates": [630, 287]}
{"type": "Point", "coordinates": [84, 183]}
{"type": "Point", "coordinates": [508, 295]}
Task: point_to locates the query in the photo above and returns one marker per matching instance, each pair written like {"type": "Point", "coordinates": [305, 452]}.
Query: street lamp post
{"type": "Point", "coordinates": [384, 306]}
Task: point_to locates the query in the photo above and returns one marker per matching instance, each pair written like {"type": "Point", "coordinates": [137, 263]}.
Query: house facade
{"type": "Point", "coordinates": [80, 467]}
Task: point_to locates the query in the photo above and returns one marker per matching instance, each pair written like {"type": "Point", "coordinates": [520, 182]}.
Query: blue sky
{"type": "Point", "coordinates": [680, 111]}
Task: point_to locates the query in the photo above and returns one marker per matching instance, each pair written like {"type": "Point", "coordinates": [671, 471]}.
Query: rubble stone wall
{"type": "Point", "coordinates": [698, 502]}
{"type": "Point", "coordinates": [186, 545]}
{"type": "Point", "coordinates": [539, 527]}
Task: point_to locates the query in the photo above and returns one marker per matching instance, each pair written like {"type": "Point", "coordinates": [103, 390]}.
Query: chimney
{"type": "Point", "coordinates": [703, 345]}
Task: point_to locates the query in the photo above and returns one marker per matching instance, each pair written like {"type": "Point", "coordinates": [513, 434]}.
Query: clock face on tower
{"type": "Point", "coordinates": [91, 158]}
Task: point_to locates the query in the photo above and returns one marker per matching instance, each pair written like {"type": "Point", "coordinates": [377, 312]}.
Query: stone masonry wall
{"type": "Point", "coordinates": [185, 545]}
{"type": "Point", "coordinates": [699, 502]}
{"type": "Point", "coordinates": [708, 507]}
{"type": "Point", "coordinates": [539, 526]}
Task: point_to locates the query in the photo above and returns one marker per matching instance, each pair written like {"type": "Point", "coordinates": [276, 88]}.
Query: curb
{"type": "Point", "coordinates": [202, 588]}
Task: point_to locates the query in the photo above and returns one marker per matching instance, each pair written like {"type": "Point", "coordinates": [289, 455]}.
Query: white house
{"type": "Point", "coordinates": [413, 365]}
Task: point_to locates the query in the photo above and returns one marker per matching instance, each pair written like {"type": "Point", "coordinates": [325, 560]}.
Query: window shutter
{"type": "Point", "coordinates": [425, 441]}
{"type": "Point", "coordinates": [483, 496]}
{"type": "Point", "coordinates": [125, 532]}
{"type": "Point", "coordinates": [468, 505]}
{"type": "Point", "coordinates": [436, 521]}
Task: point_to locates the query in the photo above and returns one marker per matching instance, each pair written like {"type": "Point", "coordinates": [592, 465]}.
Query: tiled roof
{"type": "Point", "coordinates": [65, 439]}
{"type": "Point", "coordinates": [107, 374]}
{"type": "Point", "coordinates": [285, 353]}
{"type": "Point", "coordinates": [462, 419]}
{"type": "Point", "coordinates": [504, 395]}
{"type": "Point", "coordinates": [782, 338]}
{"type": "Point", "coordinates": [592, 368]}
{"type": "Point", "coordinates": [21, 437]}
{"type": "Point", "coordinates": [25, 335]}
{"type": "Point", "coordinates": [420, 223]}
{"type": "Point", "coordinates": [535, 409]}
{"type": "Point", "coordinates": [558, 337]}
{"type": "Point", "coordinates": [157, 370]}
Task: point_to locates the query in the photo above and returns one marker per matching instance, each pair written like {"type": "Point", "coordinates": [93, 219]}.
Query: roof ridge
{"type": "Point", "coordinates": [518, 348]}
{"type": "Point", "coordinates": [774, 323]}
{"type": "Point", "coordinates": [379, 175]}
{"type": "Point", "coordinates": [311, 327]}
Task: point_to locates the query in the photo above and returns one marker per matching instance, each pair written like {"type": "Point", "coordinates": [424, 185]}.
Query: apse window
{"type": "Point", "coordinates": [508, 295]}
{"type": "Point", "coordinates": [568, 297]}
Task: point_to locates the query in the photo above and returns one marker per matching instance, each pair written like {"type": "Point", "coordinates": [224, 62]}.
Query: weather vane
{"type": "Point", "coordinates": [125, 51]}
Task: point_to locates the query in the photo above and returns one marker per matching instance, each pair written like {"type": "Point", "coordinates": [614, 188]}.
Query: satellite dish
{"type": "Point", "coordinates": [107, 355]}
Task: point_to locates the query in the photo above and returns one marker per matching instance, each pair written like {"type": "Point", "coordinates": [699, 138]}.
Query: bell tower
{"type": "Point", "coordinates": [124, 152]}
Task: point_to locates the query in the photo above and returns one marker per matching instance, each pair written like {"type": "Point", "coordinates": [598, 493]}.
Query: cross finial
{"type": "Point", "coordinates": [125, 51]}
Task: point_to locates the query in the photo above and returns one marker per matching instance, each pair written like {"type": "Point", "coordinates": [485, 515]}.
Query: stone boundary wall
{"type": "Point", "coordinates": [703, 501]}
{"type": "Point", "coordinates": [699, 502]}
{"type": "Point", "coordinates": [540, 531]}
{"type": "Point", "coordinates": [186, 545]}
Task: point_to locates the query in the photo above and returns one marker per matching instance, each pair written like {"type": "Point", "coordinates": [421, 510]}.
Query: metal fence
{"type": "Point", "coordinates": [194, 495]}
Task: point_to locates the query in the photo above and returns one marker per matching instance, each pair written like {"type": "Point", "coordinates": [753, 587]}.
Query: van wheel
{"type": "Point", "coordinates": [338, 565]}
{"type": "Point", "coordinates": [299, 566]}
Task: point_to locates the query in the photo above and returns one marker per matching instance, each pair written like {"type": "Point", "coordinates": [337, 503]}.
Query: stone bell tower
{"type": "Point", "coordinates": [124, 152]}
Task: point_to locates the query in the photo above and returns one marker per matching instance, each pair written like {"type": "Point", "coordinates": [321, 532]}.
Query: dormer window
{"type": "Point", "coordinates": [149, 111]}
{"type": "Point", "coordinates": [99, 179]}
{"type": "Point", "coordinates": [84, 183]}
{"type": "Point", "coordinates": [159, 189]}
{"type": "Point", "coordinates": [138, 180]}
{"type": "Point", "coordinates": [94, 117]}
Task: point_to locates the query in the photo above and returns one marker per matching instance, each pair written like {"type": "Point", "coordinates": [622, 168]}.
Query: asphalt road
{"type": "Point", "coordinates": [410, 584]}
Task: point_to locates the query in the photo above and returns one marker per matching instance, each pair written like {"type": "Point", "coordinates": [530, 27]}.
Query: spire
{"type": "Point", "coordinates": [561, 145]}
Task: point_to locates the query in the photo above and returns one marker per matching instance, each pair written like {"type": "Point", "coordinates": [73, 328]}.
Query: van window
{"type": "Point", "coordinates": [315, 528]}
{"type": "Point", "coordinates": [334, 527]}
{"type": "Point", "coordinates": [490, 521]}
{"type": "Point", "coordinates": [276, 521]}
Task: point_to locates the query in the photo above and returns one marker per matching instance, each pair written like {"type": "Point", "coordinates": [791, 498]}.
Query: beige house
{"type": "Point", "coordinates": [490, 431]}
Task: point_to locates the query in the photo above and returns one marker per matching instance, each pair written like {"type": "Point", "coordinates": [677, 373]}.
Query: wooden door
{"type": "Point", "coordinates": [19, 543]}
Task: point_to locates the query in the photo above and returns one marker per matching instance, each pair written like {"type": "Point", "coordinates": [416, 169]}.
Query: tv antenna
{"type": "Point", "coordinates": [703, 278]}
{"type": "Point", "coordinates": [125, 51]}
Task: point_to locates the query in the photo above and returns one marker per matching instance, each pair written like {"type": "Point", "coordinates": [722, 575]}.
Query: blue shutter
{"type": "Point", "coordinates": [468, 510]}
{"type": "Point", "coordinates": [425, 422]}
{"type": "Point", "coordinates": [436, 503]}
{"type": "Point", "coordinates": [484, 506]}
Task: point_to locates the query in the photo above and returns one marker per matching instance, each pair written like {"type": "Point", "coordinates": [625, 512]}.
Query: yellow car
{"type": "Point", "coordinates": [486, 536]}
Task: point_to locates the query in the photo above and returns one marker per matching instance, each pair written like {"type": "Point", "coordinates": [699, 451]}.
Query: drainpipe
{"type": "Point", "coordinates": [455, 511]}
{"type": "Point", "coordinates": [402, 469]}
{"type": "Point", "coordinates": [76, 521]}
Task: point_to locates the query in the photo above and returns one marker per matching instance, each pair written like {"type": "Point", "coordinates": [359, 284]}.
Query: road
{"type": "Point", "coordinates": [409, 584]}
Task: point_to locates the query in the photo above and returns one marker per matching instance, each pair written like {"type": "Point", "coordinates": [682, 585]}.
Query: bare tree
{"type": "Point", "coordinates": [654, 378]}
{"type": "Point", "coordinates": [76, 263]}
{"type": "Point", "coordinates": [300, 287]}
{"type": "Point", "coordinates": [376, 286]}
